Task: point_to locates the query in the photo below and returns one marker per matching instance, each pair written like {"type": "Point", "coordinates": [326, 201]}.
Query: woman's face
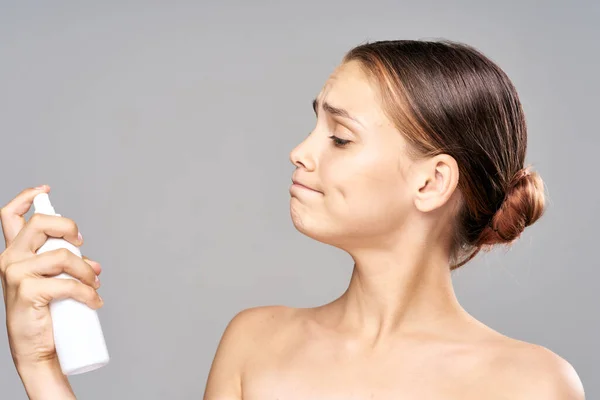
{"type": "Point", "coordinates": [356, 164]}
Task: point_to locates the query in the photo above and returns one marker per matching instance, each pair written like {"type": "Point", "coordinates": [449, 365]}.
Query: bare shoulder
{"type": "Point", "coordinates": [531, 371]}
{"type": "Point", "coordinates": [248, 330]}
{"type": "Point", "coordinates": [260, 320]}
{"type": "Point", "coordinates": [255, 324]}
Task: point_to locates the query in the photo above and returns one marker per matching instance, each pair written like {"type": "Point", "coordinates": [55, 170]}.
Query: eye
{"type": "Point", "coordinates": [339, 142]}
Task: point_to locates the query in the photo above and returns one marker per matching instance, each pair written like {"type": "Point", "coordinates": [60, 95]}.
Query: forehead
{"type": "Point", "coordinates": [349, 87]}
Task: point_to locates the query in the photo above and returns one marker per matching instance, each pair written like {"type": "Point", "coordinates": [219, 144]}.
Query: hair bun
{"type": "Point", "coordinates": [523, 204]}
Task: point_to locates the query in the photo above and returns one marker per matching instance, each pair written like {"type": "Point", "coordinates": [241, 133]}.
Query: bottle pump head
{"type": "Point", "coordinates": [42, 205]}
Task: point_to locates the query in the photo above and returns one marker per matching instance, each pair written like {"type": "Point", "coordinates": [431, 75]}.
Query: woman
{"type": "Point", "coordinates": [416, 163]}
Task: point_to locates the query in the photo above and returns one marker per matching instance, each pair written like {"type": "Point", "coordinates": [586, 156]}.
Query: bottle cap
{"type": "Point", "coordinates": [42, 205]}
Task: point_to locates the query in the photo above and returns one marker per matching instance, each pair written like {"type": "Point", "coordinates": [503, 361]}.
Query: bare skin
{"type": "Point", "coordinates": [283, 353]}
{"type": "Point", "coordinates": [398, 331]}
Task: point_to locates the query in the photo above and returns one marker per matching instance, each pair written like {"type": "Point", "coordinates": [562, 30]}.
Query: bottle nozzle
{"type": "Point", "coordinates": [42, 205]}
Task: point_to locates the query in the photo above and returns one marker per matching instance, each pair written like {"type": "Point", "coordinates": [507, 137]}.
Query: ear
{"type": "Point", "coordinates": [437, 180]}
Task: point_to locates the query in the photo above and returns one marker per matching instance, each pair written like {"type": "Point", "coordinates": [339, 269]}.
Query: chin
{"type": "Point", "coordinates": [314, 230]}
{"type": "Point", "coordinates": [354, 233]}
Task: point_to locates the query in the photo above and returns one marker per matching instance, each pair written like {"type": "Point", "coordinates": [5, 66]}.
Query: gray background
{"type": "Point", "coordinates": [165, 128]}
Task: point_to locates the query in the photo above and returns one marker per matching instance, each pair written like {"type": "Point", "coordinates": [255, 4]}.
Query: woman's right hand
{"type": "Point", "coordinates": [28, 284]}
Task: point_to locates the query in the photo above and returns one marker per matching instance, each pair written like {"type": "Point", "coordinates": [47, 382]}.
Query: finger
{"type": "Point", "coordinates": [50, 264]}
{"type": "Point", "coordinates": [40, 292]}
{"type": "Point", "coordinates": [94, 264]}
{"type": "Point", "coordinates": [41, 226]}
{"type": "Point", "coordinates": [12, 215]}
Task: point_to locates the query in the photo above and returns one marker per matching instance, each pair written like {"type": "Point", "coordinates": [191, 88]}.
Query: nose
{"type": "Point", "coordinates": [301, 156]}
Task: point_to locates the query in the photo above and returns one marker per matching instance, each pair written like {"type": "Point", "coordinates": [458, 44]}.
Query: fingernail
{"type": "Point", "coordinates": [79, 237]}
{"type": "Point", "coordinates": [39, 187]}
{"type": "Point", "coordinates": [97, 281]}
{"type": "Point", "coordinates": [100, 298]}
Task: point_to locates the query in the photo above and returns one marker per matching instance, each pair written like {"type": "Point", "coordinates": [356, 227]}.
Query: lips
{"type": "Point", "coordinates": [296, 182]}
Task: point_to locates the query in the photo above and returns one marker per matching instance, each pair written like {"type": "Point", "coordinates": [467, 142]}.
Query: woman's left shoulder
{"type": "Point", "coordinates": [532, 371]}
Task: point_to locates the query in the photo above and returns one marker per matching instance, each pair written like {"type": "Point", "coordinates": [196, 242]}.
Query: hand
{"type": "Point", "coordinates": [28, 284]}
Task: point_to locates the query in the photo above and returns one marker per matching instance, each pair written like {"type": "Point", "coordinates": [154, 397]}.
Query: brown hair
{"type": "Point", "coordinates": [447, 97]}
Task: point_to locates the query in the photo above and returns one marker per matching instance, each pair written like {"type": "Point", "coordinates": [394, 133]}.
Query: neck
{"type": "Point", "coordinates": [404, 290]}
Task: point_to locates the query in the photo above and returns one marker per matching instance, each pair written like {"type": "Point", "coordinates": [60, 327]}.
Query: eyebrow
{"type": "Point", "coordinates": [340, 112]}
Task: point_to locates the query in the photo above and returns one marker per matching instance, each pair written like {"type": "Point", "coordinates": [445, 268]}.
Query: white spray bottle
{"type": "Point", "coordinates": [78, 336]}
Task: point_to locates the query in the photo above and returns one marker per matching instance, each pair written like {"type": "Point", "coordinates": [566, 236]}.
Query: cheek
{"type": "Point", "coordinates": [364, 186]}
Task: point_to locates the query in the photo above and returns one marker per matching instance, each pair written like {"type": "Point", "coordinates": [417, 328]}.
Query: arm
{"type": "Point", "coordinates": [548, 376]}
{"type": "Point", "coordinates": [225, 377]}
{"type": "Point", "coordinates": [563, 381]}
{"type": "Point", "coordinates": [45, 381]}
